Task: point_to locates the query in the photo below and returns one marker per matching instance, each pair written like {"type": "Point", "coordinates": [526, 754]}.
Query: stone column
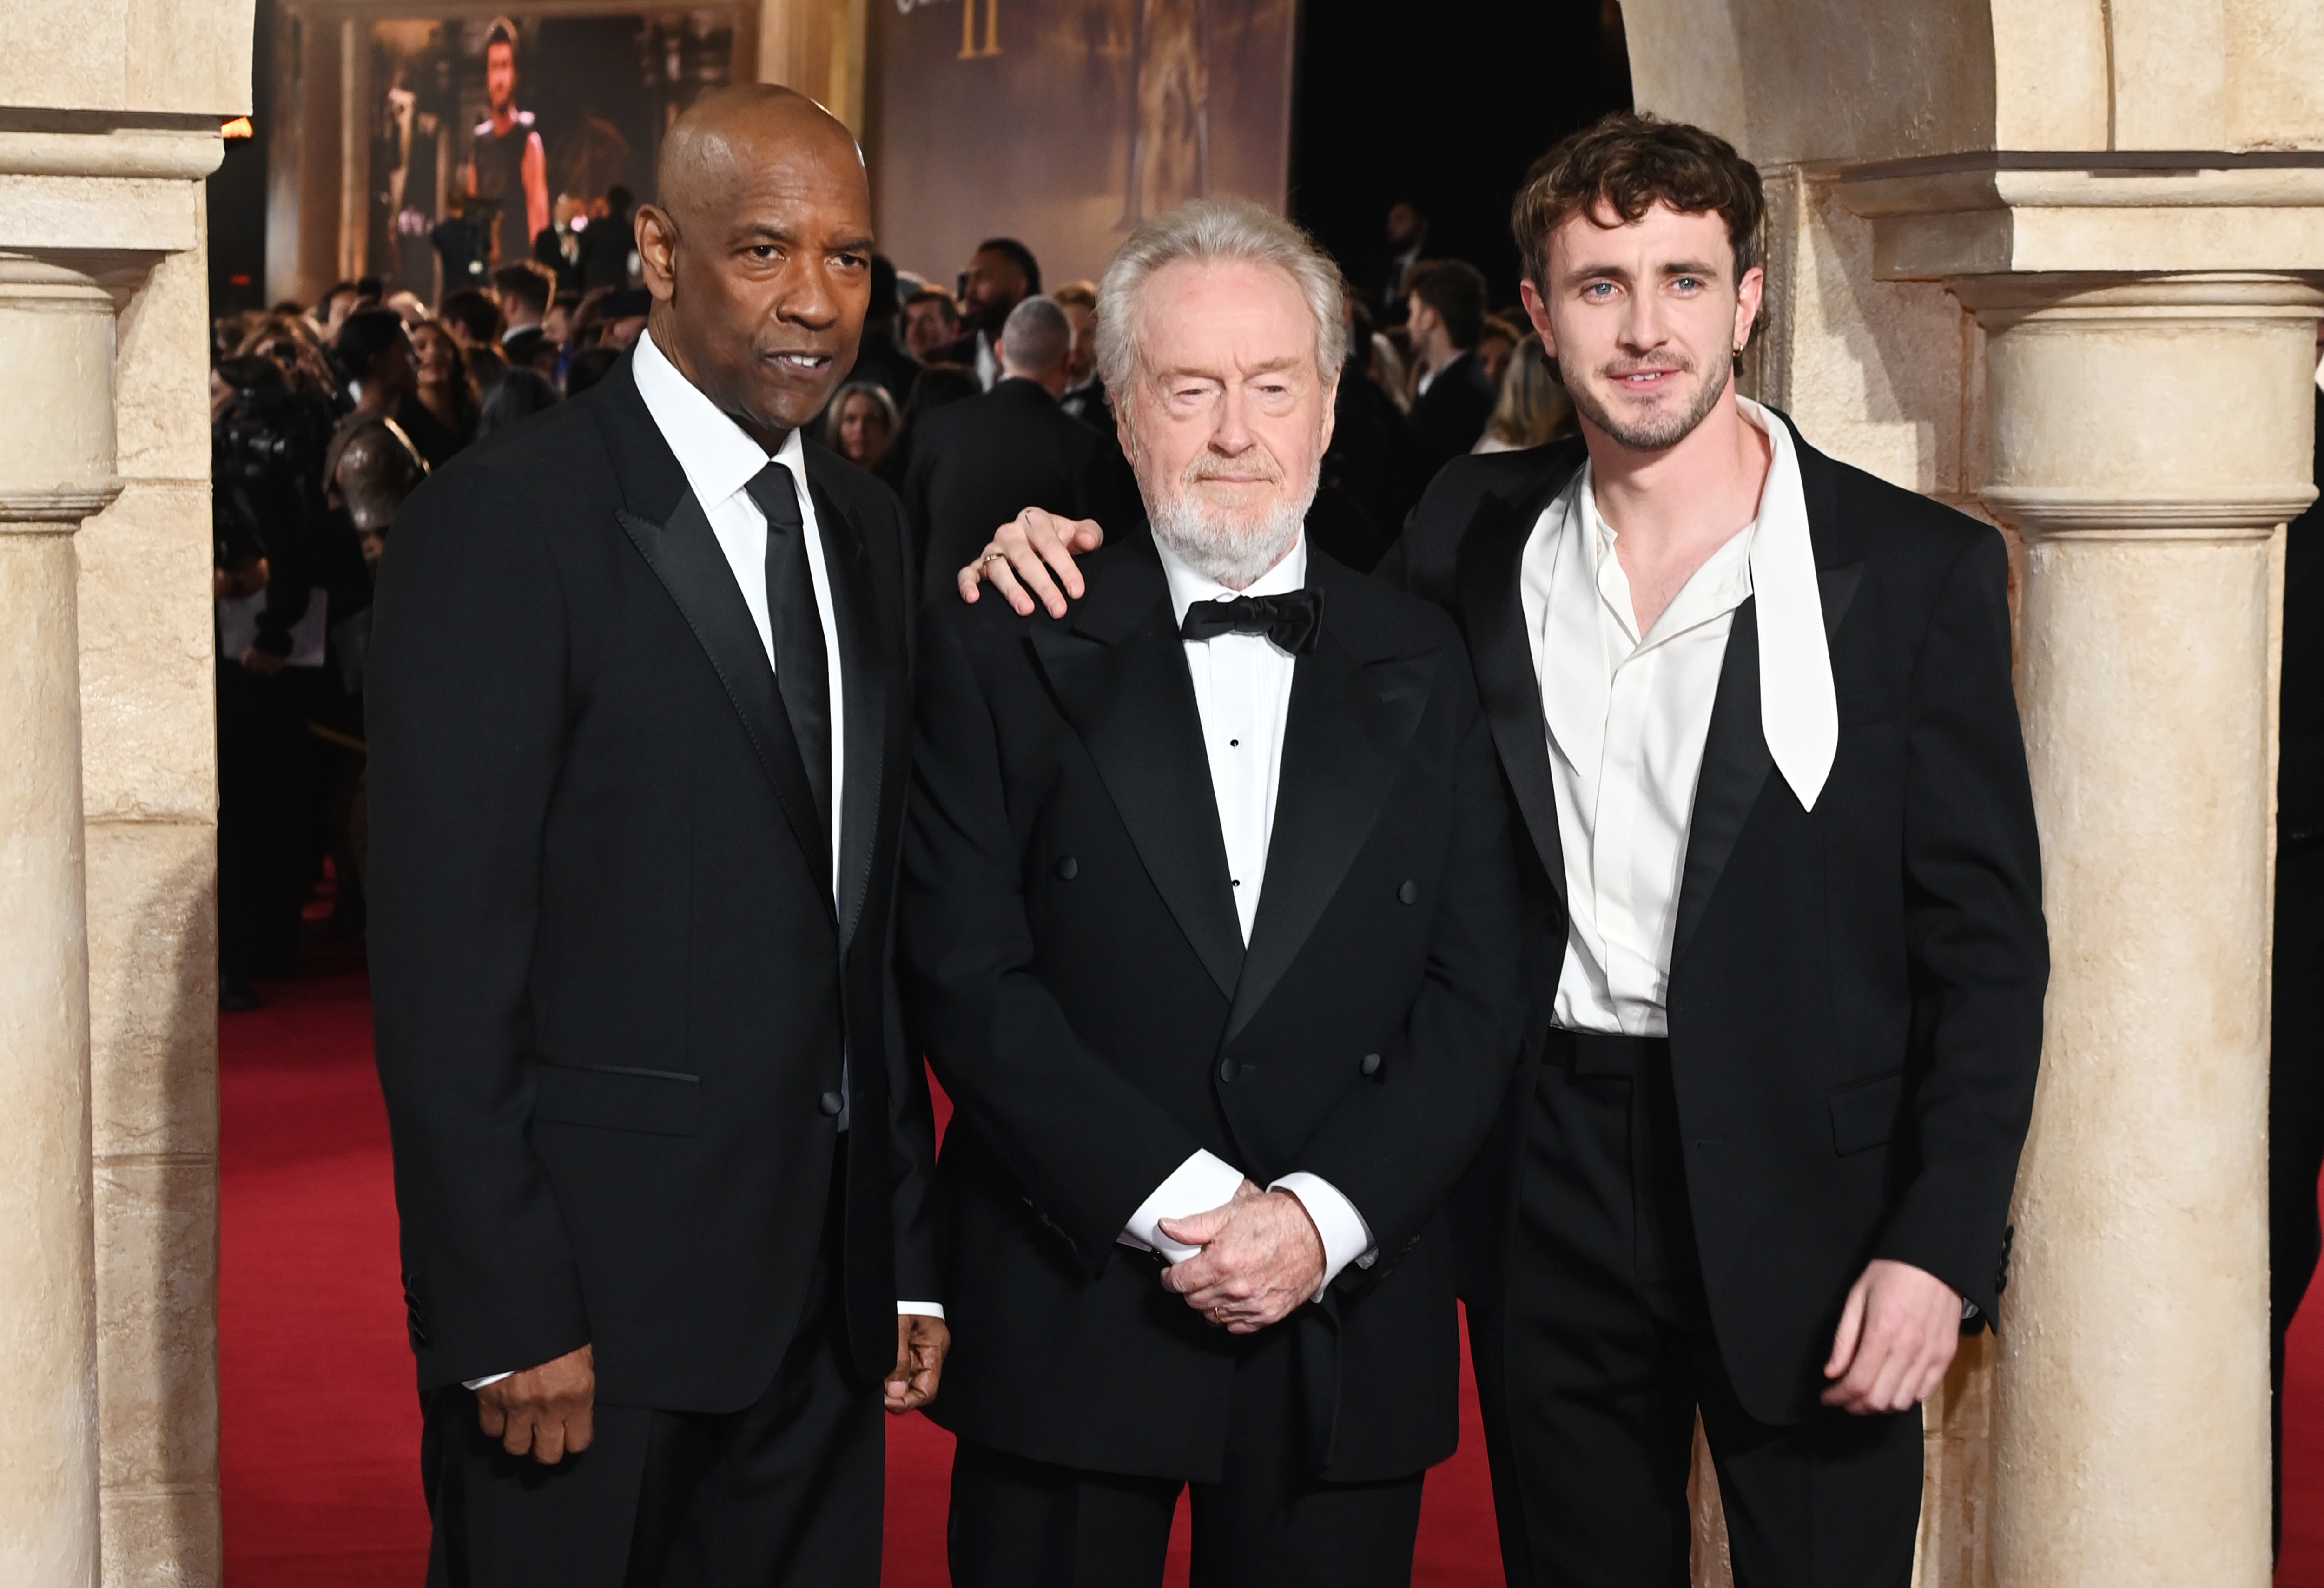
{"type": "Point", "coordinates": [56, 343]}
{"type": "Point", "coordinates": [2146, 436]}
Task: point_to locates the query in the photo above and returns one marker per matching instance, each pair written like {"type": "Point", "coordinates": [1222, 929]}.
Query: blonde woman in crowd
{"type": "Point", "coordinates": [1533, 408]}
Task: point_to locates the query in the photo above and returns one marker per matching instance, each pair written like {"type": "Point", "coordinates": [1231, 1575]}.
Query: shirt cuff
{"type": "Point", "coordinates": [920, 1309]}
{"type": "Point", "coordinates": [1205, 1181]}
{"type": "Point", "coordinates": [487, 1378]}
{"type": "Point", "coordinates": [1347, 1238]}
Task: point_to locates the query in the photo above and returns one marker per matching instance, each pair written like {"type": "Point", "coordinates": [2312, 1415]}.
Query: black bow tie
{"type": "Point", "coordinates": [1292, 620]}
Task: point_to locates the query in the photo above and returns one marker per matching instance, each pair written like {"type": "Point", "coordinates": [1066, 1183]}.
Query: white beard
{"type": "Point", "coordinates": [1232, 551]}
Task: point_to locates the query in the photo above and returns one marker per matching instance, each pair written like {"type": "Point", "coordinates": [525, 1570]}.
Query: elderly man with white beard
{"type": "Point", "coordinates": [1208, 928]}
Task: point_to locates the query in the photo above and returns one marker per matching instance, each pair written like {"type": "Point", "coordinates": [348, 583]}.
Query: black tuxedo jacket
{"type": "Point", "coordinates": [977, 464]}
{"type": "Point", "coordinates": [1072, 958]}
{"type": "Point", "coordinates": [612, 989]}
{"type": "Point", "coordinates": [1856, 993]}
{"type": "Point", "coordinates": [1448, 418]}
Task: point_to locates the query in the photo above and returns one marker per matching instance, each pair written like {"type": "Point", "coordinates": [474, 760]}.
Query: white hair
{"type": "Point", "coordinates": [1211, 231]}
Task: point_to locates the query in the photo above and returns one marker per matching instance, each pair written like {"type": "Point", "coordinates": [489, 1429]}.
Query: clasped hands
{"type": "Point", "coordinates": [549, 1412]}
{"type": "Point", "coordinates": [1262, 1257]}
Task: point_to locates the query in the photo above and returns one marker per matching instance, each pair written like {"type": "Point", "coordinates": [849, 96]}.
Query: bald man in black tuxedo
{"type": "Point", "coordinates": [639, 726]}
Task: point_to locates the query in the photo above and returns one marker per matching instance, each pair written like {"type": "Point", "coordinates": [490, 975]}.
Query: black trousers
{"type": "Point", "coordinates": [1594, 1363]}
{"type": "Point", "coordinates": [786, 1490]}
{"type": "Point", "coordinates": [2295, 1097]}
{"type": "Point", "coordinates": [1266, 1523]}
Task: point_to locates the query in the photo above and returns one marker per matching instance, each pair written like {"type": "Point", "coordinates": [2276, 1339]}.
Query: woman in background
{"type": "Point", "coordinates": [863, 424]}
{"type": "Point", "coordinates": [440, 416]}
{"type": "Point", "coordinates": [1533, 408]}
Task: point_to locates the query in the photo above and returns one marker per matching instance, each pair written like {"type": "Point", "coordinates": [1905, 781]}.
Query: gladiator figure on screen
{"type": "Point", "coordinates": [507, 161]}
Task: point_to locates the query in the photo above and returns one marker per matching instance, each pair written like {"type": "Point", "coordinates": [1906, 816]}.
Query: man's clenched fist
{"type": "Point", "coordinates": [544, 1412]}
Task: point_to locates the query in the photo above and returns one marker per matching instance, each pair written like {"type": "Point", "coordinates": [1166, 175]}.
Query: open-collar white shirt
{"type": "Point", "coordinates": [1242, 693]}
{"type": "Point", "coordinates": [1627, 714]}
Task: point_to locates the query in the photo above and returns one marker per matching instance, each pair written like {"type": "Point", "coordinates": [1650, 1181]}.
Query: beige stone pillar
{"type": "Point", "coordinates": [103, 326]}
{"type": "Point", "coordinates": [56, 338]}
{"type": "Point", "coordinates": [2146, 436]}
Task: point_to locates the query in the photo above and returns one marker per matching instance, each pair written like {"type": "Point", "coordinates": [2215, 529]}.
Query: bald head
{"type": "Point", "coordinates": [757, 253]}
{"type": "Point", "coordinates": [729, 131]}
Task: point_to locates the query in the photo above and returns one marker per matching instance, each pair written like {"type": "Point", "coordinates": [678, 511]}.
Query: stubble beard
{"type": "Point", "coordinates": [1656, 434]}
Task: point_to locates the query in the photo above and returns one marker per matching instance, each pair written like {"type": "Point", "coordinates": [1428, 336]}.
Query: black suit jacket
{"type": "Point", "coordinates": [977, 464]}
{"type": "Point", "coordinates": [1074, 960]}
{"type": "Point", "coordinates": [1448, 418]}
{"type": "Point", "coordinates": [612, 989]}
{"type": "Point", "coordinates": [1856, 993]}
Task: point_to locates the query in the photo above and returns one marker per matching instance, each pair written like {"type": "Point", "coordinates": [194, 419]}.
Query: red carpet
{"type": "Point", "coordinates": [320, 1442]}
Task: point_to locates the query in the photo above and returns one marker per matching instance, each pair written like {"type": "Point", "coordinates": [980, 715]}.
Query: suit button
{"type": "Point", "coordinates": [1409, 893]}
{"type": "Point", "coordinates": [831, 1105]}
{"type": "Point", "coordinates": [1370, 1066]}
{"type": "Point", "coordinates": [1069, 868]}
{"type": "Point", "coordinates": [1228, 1068]}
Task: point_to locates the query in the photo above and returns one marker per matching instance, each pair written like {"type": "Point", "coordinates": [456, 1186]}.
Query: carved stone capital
{"type": "Point", "coordinates": [2168, 408]}
{"type": "Point", "coordinates": [2056, 210]}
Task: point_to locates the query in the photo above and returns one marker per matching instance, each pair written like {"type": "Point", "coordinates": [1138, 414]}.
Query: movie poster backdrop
{"type": "Point", "coordinates": [488, 130]}
{"type": "Point", "coordinates": [1063, 123]}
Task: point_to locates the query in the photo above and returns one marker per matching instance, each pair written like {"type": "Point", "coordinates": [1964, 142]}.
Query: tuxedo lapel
{"type": "Point", "coordinates": [864, 683]}
{"type": "Point", "coordinates": [1735, 758]}
{"type": "Point", "coordinates": [686, 556]}
{"type": "Point", "coordinates": [1351, 716]}
{"type": "Point", "coordinates": [1121, 679]}
{"type": "Point", "coordinates": [1492, 609]}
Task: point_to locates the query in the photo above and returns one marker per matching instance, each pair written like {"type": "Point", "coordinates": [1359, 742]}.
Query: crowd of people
{"type": "Point", "coordinates": [326, 416]}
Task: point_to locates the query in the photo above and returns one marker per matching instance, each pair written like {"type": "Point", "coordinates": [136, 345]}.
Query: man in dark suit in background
{"type": "Point", "coordinates": [981, 463]}
{"type": "Point", "coordinates": [638, 731]}
{"type": "Point", "coordinates": [1210, 923]}
{"type": "Point", "coordinates": [1455, 396]}
{"type": "Point", "coordinates": [607, 242]}
{"type": "Point", "coordinates": [1001, 273]}
{"type": "Point", "coordinates": [1084, 395]}
{"type": "Point", "coordinates": [882, 358]}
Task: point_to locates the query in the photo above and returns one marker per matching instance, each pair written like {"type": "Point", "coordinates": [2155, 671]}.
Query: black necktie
{"type": "Point", "coordinates": [802, 664]}
{"type": "Point", "coordinates": [1292, 620]}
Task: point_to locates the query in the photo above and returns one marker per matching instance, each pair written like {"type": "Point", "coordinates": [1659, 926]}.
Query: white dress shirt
{"type": "Point", "coordinates": [1628, 715]}
{"type": "Point", "coordinates": [720, 461]}
{"type": "Point", "coordinates": [1243, 691]}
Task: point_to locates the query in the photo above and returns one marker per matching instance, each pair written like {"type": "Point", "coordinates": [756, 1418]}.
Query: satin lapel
{"type": "Point", "coordinates": [1735, 759]}
{"type": "Point", "coordinates": [864, 682]}
{"type": "Point", "coordinates": [1130, 699]}
{"type": "Point", "coordinates": [1492, 610]}
{"type": "Point", "coordinates": [685, 555]}
{"type": "Point", "coordinates": [1345, 736]}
